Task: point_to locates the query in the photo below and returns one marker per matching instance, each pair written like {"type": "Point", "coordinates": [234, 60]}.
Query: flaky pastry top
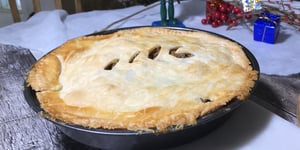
{"type": "Point", "coordinates": [141, 79]}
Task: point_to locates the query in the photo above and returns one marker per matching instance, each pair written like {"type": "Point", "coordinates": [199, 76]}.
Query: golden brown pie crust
{"type": "Point", "coordinates": [141, 79]}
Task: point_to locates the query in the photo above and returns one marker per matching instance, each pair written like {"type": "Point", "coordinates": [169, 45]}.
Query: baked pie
{"type": "Point", "coordinates": [141, 78]}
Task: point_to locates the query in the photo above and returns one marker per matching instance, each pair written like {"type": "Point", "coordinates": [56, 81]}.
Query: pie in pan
{"type": "Point", "coordinates": [141, 78]}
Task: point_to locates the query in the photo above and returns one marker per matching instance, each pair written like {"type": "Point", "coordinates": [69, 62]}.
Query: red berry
{"type": "Point", "coordinates": [240, 15]}
{"type": "Point", "coordinates": [217, 15]}
{"type": "Point", "coordinates": [208, 18]}
{"type": "Point", "coordinates": [220, 22]}
{"type": "Point", "coordinates": [204, 21]}
{"type": "Point", "coordinates": [229, 8]}
{"type": "Point", "coordinates": [223, 17]}
{"type": "Point", "coordinates": [248, 16]}
{"type": "Point", "coordinates": [223, 5]}
{"type": "Point", "coordinates": [234, 22]}
{"type": "Point", "coordinates": [236, 10]}
{"type": "Point", "coordinates": [223, 9]}
{"type": "Point", "coordinates": [214, 24]}
{"type": "Point", "coordinates": [229, 21]}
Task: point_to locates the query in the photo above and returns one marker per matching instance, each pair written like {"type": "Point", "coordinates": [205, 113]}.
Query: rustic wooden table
{"type": "Point", "coordinates": [22, 128]}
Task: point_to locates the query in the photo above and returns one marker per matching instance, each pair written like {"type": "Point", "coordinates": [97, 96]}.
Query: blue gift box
{"type": "Point", "coordinates": [266, 28]}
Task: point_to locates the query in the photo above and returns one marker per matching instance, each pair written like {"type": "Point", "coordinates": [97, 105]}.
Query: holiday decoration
{"type": "Point", "coordinates": [167, 17]}
{"type": "Point", "coordinates": [235, 12]}
{"type": "Point", "coordinates": [251, 5]}
{"type": "Point", "coordinates": [266, 28]}
{"type": "Point", "coordinates": [219, 12]}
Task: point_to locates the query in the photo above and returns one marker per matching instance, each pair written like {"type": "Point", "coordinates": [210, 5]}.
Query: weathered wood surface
{"type": "Point", "coordinates": [21, 128]}
{"type": "Point", "coordinates": [279, 94]}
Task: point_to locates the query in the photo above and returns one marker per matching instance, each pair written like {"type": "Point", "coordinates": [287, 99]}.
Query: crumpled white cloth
{"type": "Point", "coordinates": [49, 29]}
{"type": "Point", "coordinates": [40, 33]}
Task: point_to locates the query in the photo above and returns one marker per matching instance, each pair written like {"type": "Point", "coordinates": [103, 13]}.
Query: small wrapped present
{"type": "Point", "coordinates": [266, 28]}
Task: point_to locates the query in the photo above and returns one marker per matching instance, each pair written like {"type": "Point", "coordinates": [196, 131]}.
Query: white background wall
{"type": "Point", "coordinates": [27, 8]}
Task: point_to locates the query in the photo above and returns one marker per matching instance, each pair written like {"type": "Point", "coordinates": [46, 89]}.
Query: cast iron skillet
{"type": "Point", "coordinates": [125, 139]}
